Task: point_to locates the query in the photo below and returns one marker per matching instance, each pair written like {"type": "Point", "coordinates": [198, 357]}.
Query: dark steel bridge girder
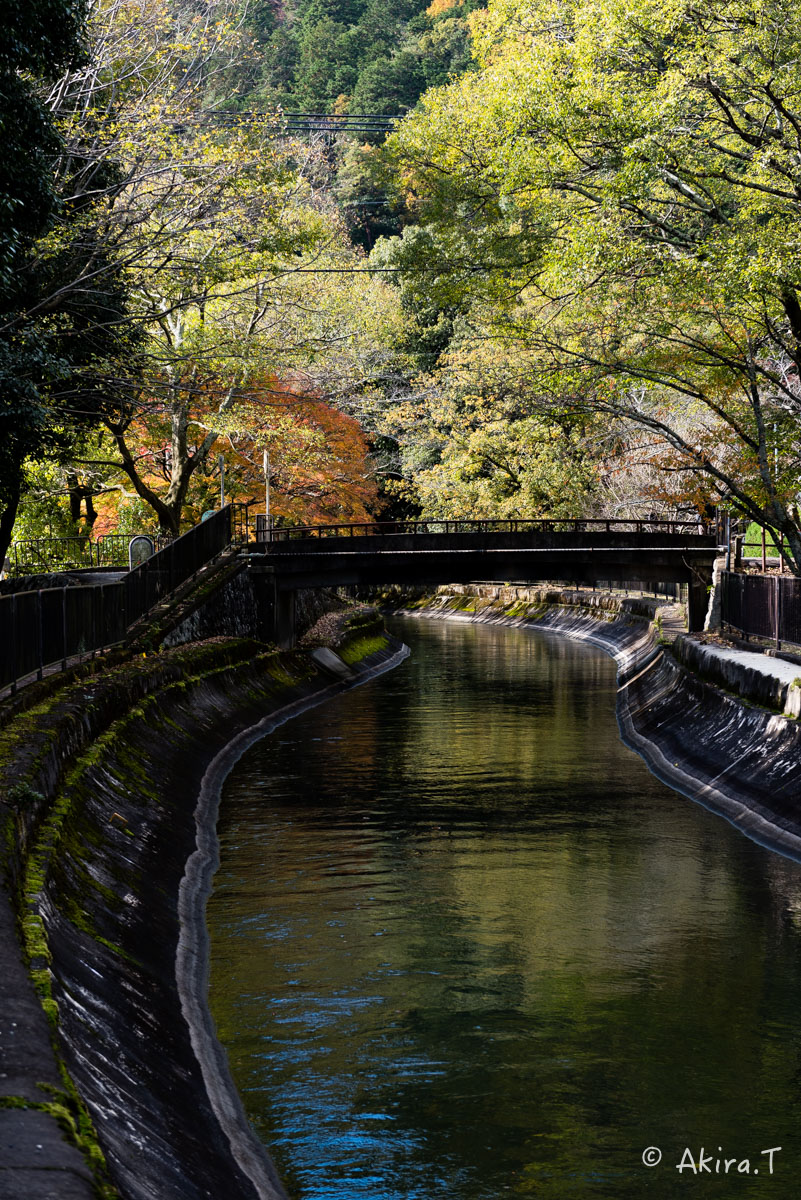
{"type": "Point", "coordinates": [291, 571]}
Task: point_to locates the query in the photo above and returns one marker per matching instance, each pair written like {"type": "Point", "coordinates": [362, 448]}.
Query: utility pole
{"type": "Point", "coordinates": [266, 465]}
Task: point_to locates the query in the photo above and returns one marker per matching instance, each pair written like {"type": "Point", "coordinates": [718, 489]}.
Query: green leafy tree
{"type": "Point", "coordinates": [389, 85]}
{"type": "Point", "coordinates": [470, 446]}
{"type": "Point", "coordinates": [614, 193]}
{"type": "Point", "coordinates": [38, 39]}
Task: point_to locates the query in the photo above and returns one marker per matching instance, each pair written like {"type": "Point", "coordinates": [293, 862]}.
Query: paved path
{"type": "Point", "coordinates": [36, 1161]}
{"type": "Point", "coordinates": [764, 664]}
{"type": "Point", "coordinates": [673, 625]}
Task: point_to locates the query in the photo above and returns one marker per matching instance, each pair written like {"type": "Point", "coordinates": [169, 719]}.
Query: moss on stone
{"type": "Point", "coordinates": [362, 647]}
{"type": "Point", "coordinates": [79, 730]}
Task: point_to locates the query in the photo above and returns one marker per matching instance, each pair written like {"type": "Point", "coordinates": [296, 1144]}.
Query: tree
{"type": "Point", "coordinates": [241, 308]}
{"type": "Point", "coordinates": [209, 223]}
{"type": "Point", "coordinates": [471, 447]}
{"type": "Point", "coordinates": [615, 194]}
{"type": "Point", "coordinates": [389, 85]}
{"type": "Point", "coordinates": [38, 39]}
{"type": "Point", "coordinates": [235, 266]}
{"type": "Point", "coordinates": [320, 463]}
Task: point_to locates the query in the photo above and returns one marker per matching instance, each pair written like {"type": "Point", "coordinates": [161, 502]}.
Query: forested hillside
{"type": "Point", "coordinates": [350, 58]}
{"type": "Point", "coordinates": [360, 56]}
{"type": "Point", "coordinates": [567, 283]}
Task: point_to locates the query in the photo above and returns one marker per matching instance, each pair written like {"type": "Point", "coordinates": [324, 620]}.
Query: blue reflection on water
{"type": "Point", "coordinates": [465, 946]}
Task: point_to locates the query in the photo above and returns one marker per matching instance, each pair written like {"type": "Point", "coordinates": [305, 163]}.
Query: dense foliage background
{"type": "Point", "coordinates": [567, 282]}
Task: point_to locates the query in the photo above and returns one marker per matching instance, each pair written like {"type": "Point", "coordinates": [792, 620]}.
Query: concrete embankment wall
{"type": "Point", "coordinates": [109, 847]}
{"type": "Point", "coordinates": [712, 729]}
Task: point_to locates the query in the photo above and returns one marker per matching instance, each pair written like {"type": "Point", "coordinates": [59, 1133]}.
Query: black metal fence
{"type": "Point", "coordinates": [762, 606]}
{"type": "Point", "coordinates": [42, 556]}
{"type": "Point", "coordinates": [111, 549]}
{"type": "Point", "coordinates": [46, 555]}
{"type": "Point", "coordinates": [155, 578]}
{"type": "Point", "coordinates": [39, 556]}
{"type": "Point", "coordinates": [44, 628]}
{"type": "Point", "coordinates": [241, 524]}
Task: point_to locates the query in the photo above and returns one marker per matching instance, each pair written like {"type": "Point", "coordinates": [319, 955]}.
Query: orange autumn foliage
{"type": "Point", "coordinates": [440, 6]}
{"type": "Point", "coordinates": [320, 467]}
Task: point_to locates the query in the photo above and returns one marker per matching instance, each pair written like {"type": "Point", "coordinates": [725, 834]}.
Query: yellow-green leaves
{"type": "Point", "coordinates": [614, 198]}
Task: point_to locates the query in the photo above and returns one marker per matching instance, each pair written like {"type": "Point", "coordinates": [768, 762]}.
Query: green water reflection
{"type": "Point", "coordinates": [465, 946]}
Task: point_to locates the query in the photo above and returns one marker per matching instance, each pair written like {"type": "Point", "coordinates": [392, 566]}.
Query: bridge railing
{"type": "Point", "coordinates": [514, 525]}
{"type": "Point", "coordinates": [45, 628]}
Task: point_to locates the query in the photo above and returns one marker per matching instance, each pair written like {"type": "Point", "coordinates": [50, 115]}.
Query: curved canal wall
{"type": "Point", "coordinates": [109, 805]}
{"type": "Point", "coordinates": [719, 727]}
{"type": "Point", "coordinates": [111, 781]}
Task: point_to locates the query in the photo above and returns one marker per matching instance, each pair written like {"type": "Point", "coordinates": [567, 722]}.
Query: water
{"type": "Point", "coordinates": [465, 946]}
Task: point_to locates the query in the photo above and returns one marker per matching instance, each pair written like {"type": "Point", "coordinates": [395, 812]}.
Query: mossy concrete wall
{"type": "Point", "coordinates": [243, 604]}
{"type": "Point", "coordinates": [101, 816]}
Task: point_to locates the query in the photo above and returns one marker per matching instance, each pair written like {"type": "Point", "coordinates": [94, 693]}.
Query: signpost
{"type": "Point", "coordinates": [140, 548]}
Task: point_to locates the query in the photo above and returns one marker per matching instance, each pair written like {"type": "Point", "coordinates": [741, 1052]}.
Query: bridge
{"type": "Point", "coordinates": [430, 553]}
{"type": "Point", "coordinates": [46, 624]}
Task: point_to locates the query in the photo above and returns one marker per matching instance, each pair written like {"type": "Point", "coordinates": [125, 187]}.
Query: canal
{"type": "Point", "coordinates": [465, 946]}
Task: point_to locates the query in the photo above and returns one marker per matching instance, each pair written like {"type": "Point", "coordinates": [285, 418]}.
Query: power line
{"type": "Point", "coordinates": [437, 270]}
{"type": "Point", "coordinates": [311, 122]}
{"type": "Point", "coordinates": [292, 114]}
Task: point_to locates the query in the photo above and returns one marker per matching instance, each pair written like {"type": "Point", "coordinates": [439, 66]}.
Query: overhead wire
{"type": "Point", "coordinates": [311, 122]}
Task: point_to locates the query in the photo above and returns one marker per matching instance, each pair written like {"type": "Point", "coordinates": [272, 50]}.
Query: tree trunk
{"type": "Point", "coordinates": [169, 522]}
{"type": "Point", "coordinates": [75, 492]}
{"type": "Point", "coordinates": [8, 517]}
{"type": "Point", "coordinates": [91, 511]}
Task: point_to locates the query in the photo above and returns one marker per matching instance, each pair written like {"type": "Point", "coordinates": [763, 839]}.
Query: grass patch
{"type": "Point", "coordinates": [362, 647]}
{"type": "Point", "coordinates": [752, 546]}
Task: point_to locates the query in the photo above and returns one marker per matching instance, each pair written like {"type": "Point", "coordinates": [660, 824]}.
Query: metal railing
{"type": "Point", "coordinates": [112, 548]}
{"type": "Point", "coordinates": [46, 555]}
{"type": "Point", "coordinates": [40, 556]}
{"type": "Point", "coordinates": [176, 562]}
{"type": "Point", "coordinates": [48, 627]}
{"type": "Point", "coordinates": [383, 528]}
{"type": "Point", "coordinates": [762, 606]}
{"type": "Point", "coordinates": [765, 550]}
{"type": "Point", "coordinates": [240, 521]}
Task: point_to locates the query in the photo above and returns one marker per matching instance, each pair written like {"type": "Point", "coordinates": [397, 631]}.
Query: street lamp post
{"type": "Point", "coordinates": [267, 495]}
